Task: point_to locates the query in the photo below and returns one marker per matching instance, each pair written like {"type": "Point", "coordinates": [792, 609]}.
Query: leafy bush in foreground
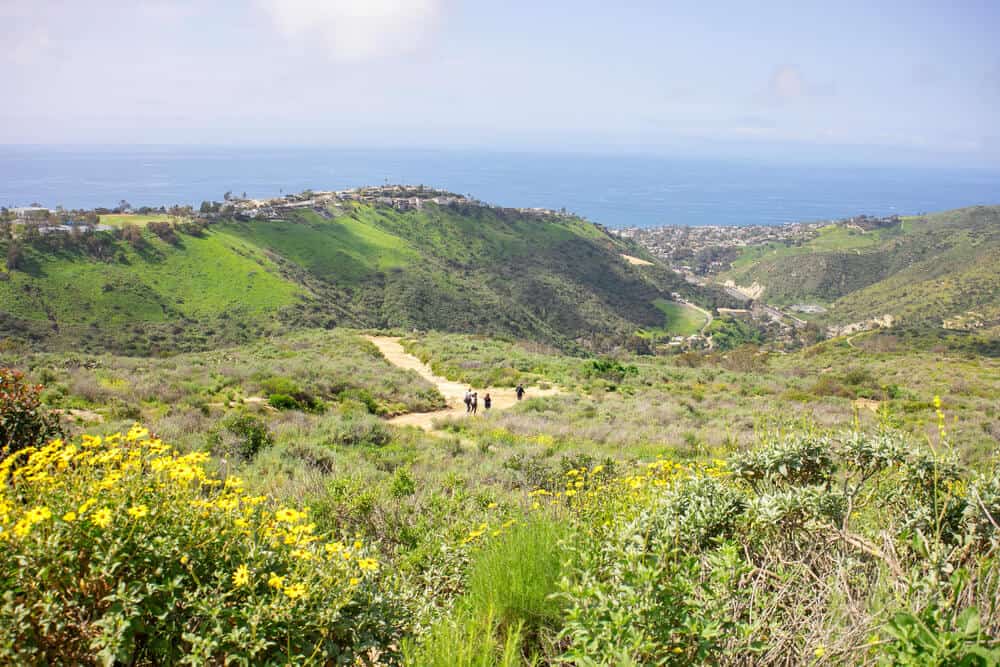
{"type": "Point", "coordinates": [23, 421]}
{"type": "Point", "coordinates": [120, 550]}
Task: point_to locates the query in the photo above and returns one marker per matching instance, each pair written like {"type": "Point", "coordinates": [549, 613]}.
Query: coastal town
{"type": "Point", "coordinates": [709, 250]}
{"type": "Point", "coordinates": [326, 203]}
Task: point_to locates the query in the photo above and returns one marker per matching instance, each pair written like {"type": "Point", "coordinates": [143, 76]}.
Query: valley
{"type": "Point", "coordinates": [293, 388]}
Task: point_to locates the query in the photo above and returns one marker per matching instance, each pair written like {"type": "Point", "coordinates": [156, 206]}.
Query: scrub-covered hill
{"type": "Point", "coordinates": [469, 268]}
{"type": "Point", "coordinates": [938, 270]}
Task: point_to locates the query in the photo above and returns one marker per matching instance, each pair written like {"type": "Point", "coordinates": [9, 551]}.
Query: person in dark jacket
{"type": "Point", "coordinates": [487, 402]}
{"type": "Point", "coordinates": [519, 391]}
{"type": "Point", "coordinates": [475, 401]}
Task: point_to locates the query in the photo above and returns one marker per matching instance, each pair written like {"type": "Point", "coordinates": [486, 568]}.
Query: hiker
{"type": "Point", "coordinates": [519, 391]}
{"type": "Point", "coordinates": [475, 401]}
{"type": "Point", "coordinates": [468, 401]}
{"type": "Point", "coordinates": [487, 402]}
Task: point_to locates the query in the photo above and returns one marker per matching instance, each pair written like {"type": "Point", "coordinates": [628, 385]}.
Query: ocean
{"type": "Point", "coordinates": [617, 191]}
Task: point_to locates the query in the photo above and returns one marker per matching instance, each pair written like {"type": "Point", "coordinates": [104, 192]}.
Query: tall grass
{"type": "Point", "coordinates": [509, 613]}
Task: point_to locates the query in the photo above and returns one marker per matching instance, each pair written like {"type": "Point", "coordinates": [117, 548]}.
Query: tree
{"type": "Point", "coordinates": [123, 206]}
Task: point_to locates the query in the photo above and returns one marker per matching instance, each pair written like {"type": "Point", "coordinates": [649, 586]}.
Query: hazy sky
{"type": "Point", "coordinates": [871, 81]}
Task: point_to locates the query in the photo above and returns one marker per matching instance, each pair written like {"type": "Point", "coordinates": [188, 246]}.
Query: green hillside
{"type": "Point", "coordinates": [476, 269]}
{"type": "Point", "coordinates": [926, 271]}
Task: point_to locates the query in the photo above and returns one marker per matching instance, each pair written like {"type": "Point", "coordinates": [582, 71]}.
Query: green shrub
{"type": "Point", "coordinates": [285, 394]}
{"type": "Point", "coordinates": [121, 551]}
{"type": "Point", "coordinates": [283, 402]}
{"type": "Point", "coordinates": [361, 430]}
{"type": "Point", "coordinates": [23, 420]}
{"type": "Point", "coordinates": [403, 484]}
{"type": "Point", "coordinates": [939, 636]}
{"type": "Point", "coordinates": [362, 396]}
{"type": "Point", "coordinates": [610, 370]}
{"type": "Point", "coordinates": [240, 434]}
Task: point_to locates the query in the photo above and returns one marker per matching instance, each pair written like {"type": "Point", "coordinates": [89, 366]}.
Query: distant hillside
{"type": "Point", "coordinates": [928, 271]}
{"type": "Point", "coordinates": [465, 268]}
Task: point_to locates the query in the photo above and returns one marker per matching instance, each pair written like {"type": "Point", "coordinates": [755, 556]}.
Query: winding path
{"type": "Point", "coordinates": [453, 392]}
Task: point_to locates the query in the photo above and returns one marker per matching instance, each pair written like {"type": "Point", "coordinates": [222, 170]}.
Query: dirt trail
{"type": "Point", "coordinates": [637, 261]}
{"type": "Point", "coordinates": [453, 392]}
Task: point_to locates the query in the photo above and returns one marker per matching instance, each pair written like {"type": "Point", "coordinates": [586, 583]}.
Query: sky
{"type": "Point", "coordinates": [874, 82]}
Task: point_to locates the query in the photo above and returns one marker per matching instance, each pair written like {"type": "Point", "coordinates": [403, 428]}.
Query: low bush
{"type": "Point", "coordinates": [121, 551]}
{"type": "Point", "coordinates": [240, 434]}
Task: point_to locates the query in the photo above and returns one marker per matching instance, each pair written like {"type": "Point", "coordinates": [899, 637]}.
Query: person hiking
{"type": "Point", "coordinates": [475, 401]}
{"type": "Point", "coordinates": [468, 401]}
{"type": "Point", "coordinates": [519, 391]}
{"type": "Point", "coordinates": [487, 402]}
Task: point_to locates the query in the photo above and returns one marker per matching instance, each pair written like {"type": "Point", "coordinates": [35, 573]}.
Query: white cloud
{"type": "Point", "coordinates": [355, 30]}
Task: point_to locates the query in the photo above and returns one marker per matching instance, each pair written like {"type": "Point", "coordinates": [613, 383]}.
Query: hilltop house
{"type": "Point", "coordinates": [31, 213]}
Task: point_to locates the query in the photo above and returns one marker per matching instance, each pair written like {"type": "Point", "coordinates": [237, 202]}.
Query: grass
{"type": "Point", "coordinates": [719, 403]}
{"type": "Point", "coordinates": [120, 219]}
{"type": "Point", "coordinates": [928, 270]}
{"type": "Point", "coordinates": [343, 249]}
{"type": "Point", "coordinates": [487, 599]}
{"type": "Point", "coordinates": [829, 238]}
{"type": "Point", "coordinates": [681, 319]}
{"type": "Point", "coordinates": [477, 269]}
{"type": "Point", "coordinates": [516, 576]}
{"type": "Point", "coordinates": [509, 614]}
{"type": "Point", "coordinates": [209, 275]}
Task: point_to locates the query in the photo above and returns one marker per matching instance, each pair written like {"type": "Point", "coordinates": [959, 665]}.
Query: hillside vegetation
{"type": "Point", "coordinates": [725, 509]}
{"type": "Point", "coordinates": [153, 288]}
{"type": "Point", "coordinates": [926, 271]}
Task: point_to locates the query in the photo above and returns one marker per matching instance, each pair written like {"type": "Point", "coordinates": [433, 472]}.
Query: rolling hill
{"type": "Point", "coordinates": [932, 271]}
{"type": "Point", "coordinates": [551, 278]}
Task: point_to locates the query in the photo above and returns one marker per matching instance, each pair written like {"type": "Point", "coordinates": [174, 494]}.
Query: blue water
{"type": "Point", "coordinates": [617, 191]}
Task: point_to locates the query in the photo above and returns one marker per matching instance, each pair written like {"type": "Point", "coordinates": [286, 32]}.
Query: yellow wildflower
{"type": "Point", "coordinates": [69, 517]}
{"type": "Point", "coordinates": [276, 581]}
{"type": "Point", "coordinates": [138, 511]}
{"type": "Point", "coordinates": [38, 514]}
{"type": "Point", "coordinates": [22, 528]}
{"type": "Point", "coordinates": [241, 577]}
{"type": "Point", "coordinates": [101, 518]}
{"type": "Point", "coordinates": [287, 515]}
{"type": "Point", "coordinates": [295, 591]}
{"type": "Point", "coordinates": [367, 564]}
